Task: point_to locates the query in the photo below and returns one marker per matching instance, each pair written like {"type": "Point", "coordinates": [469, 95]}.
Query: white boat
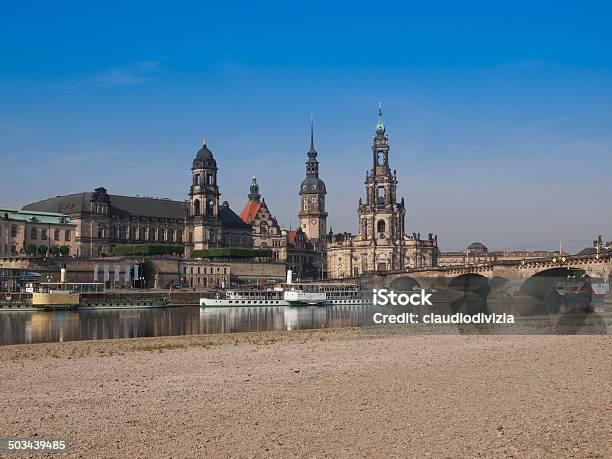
{"type": "Point", "coordinates": [244, 297]}
{"type": "Point", "coordinates": [297, 297]}
{"type": "Point", "coordinates": [292, 294]}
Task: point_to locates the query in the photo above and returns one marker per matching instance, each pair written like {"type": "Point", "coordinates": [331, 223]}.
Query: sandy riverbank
{"type": "Point", "coordinates": [319, 393]}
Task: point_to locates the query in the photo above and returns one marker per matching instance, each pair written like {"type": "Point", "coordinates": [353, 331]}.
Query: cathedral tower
{"type": "Point", "coordinates": [381, 217]}
{"type": "Point", "coordinates": [312, 215]}
{"type": "Point", "coordinates": [204, 200]}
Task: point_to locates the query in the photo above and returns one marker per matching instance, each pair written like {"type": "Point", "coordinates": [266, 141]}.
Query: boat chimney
{"type": "Point", "coordinates": [63, 276]}
{"type": "Point", "coordinates": [289, 276]}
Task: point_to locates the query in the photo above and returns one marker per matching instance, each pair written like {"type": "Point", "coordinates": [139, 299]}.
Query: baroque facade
{"type": "Point", "coordinates": [103, 221]}
{"type": "Point", "coordinates": [290, 246]}
{"type": "Point", "coordinates": [381, 243]}
{"type": "Point", "coordinates": [20, 228]}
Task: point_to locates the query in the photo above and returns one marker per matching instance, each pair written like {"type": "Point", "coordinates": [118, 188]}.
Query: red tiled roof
{"type": "Point", "coordinates": [250, 211]}
{"type": "Point", "coordinates": [291, 235]}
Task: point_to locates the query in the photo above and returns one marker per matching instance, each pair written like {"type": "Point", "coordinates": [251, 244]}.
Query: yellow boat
{"type": "Point", "coordinates": [55, 296]}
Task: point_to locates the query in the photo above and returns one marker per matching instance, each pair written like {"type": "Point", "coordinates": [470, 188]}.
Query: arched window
{"type": "Point", "coordinates": [355, 271]}
{"type": "Point", "coordinates": [196, 207]}
{"type": "Point", "coordinates": [380, 195]}
{"type": "Point", "coordinates": [380, 226]}
{"type": "Point", "coordinates": [196, 179]}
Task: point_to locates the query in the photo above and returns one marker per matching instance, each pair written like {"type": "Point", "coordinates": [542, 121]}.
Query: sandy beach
{"type": "Point", "coordinates": [334, 393]}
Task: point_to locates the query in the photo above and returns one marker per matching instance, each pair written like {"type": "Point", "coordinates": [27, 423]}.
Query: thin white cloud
{"type": "Point", "coordinates": [122, 75]}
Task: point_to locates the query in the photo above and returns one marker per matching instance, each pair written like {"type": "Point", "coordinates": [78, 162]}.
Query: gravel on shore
{"type": "Point", "coordinates": [334, 393]}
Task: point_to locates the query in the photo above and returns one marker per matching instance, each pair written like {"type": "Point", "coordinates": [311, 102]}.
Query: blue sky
{"type": "Point", "coordinates": [498, 115]}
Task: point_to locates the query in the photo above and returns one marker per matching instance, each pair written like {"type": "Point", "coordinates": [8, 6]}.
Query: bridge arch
{"type": "Point", "coordinates": [542, 288]}
{"type": "Point", "coordinates": [404, 284]}
{"type": "Point", "coordinates": [471, 283]}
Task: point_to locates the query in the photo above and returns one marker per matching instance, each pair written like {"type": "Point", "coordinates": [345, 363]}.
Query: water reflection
{"type": "Point", "coordinates": [18, 327]}
{"type": "Point", "coordinates": [56, 326]}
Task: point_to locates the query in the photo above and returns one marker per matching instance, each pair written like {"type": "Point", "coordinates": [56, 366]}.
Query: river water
{"type": "Point", "coordinates": [20, 327]}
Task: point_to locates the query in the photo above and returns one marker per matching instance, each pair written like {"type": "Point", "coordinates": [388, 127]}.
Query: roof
{"type": "Point", "coordinates": [292, 234]}
{"type": "Point", "coordinates": [312, 185]}
{"type": "Point", "coordinates": [126, 205]}
{"type": "Point", "coordinates": [204, 158]}
{"type": "Point", "coordinates": [38, 217]}
{"type": "Point", "coordinates": [129, 205]}
{"type": "Point", "coordinates": [250, 211]}
{"type": "Point", "coordinates": [229, 218]}
{"type": "Point", "coordinates": [477, 245]}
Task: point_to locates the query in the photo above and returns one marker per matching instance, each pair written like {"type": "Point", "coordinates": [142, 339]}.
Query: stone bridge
{"type": "Point", "coordinates": [529, 276]}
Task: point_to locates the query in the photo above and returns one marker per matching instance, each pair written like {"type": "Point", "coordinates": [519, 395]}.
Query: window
{"type": "Point", "coordinates": [170, 235]}
{"type": "Point", "coordinates": [179, 236]}
{"type": "Point", "coordinates": [196, 207]}
{"type": "Point", "coordinates": [33, 233]}
{"type": "Point", "coordinates": [43, 235]}
{"type": "Point", "coordinates": [56, 235]}
{"type": "Point", "coordinates": [100, 232]}
{"type": "Point", "coordinates": [380, 226]}
{"type": "Point", "coordinates": [196, 179]}
{"type": "Point", "coordinates": [13, 230]}
{"type": "Point", "coordinates": [380, 195]}
{"type": "Point", "coordinates": [13, 250]}
{"type": "Point", "coordinates": [151, 234]}
{"type": "Point", "coordinates": [67, 235]}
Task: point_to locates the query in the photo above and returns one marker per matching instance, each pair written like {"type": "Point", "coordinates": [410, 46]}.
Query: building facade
{"type": "Point", "coordinates": [381, 243]}
{"type": "Point", "coordinates": [21, 230]}
{"type": "Point", "coordinates": [103, 221]}
{"type": "Point", "coordinates": [265, 230]}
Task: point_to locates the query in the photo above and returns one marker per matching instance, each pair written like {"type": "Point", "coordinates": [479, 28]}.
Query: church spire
{"type": "Point", "coordinates": [312, 153]}
{"type": "Point", "coordinates": [254, 190]}
{"type": "Point", "coordinates": [380, 127]}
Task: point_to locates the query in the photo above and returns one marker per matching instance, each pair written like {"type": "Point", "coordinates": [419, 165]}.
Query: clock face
{"type": "Point", "coordinates": [313, 221]}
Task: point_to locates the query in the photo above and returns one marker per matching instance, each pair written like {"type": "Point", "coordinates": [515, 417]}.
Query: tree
{"type": "Point", "coordinates": [43, 249]}
{"type": "Point", "coordinates": [54, 250]}
{"type": "Point", "coordinates": [30, 249]}
{"type": "Point", "coordinates": [64, 250]}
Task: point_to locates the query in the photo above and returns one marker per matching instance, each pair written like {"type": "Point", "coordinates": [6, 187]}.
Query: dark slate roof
{"type": "Point", "coordinates": [230, 219]}
{"type": "Point", "coordinates": [130, 205]}
{"type": "Point", "coordinates": [69, 204]}
{"type": "Point", "coordinates": [312, 185]}
{"type": "Point", "coordinates": [148, 207]}
{"type": "Point", "coordinates": [119, 205]}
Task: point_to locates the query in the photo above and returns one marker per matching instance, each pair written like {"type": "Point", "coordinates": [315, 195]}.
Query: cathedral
{"type": "Point", "coordinates": [381, 243]}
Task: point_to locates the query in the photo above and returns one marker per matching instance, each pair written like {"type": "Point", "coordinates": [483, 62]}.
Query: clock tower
{"type": "Point", "coordinates": [312, 215]}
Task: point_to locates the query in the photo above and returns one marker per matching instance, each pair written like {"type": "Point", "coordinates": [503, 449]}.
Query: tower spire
{"type": "Point", "coordinates": [380, 127]}
{"type": "Point", "coordinates": [254, 194]}
{"type": "Point", "coordinates": [311, 132]}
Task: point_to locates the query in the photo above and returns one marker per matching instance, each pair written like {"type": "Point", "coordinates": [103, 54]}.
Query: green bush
{"type": "Point", "coordinates": [42, 249]}
{"type": "Point", "coordinates": [30, 249]}
{"type": "Point", "coordinates": [231, 252]}
{"type": "Point", "coordinates": [147, 249]}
